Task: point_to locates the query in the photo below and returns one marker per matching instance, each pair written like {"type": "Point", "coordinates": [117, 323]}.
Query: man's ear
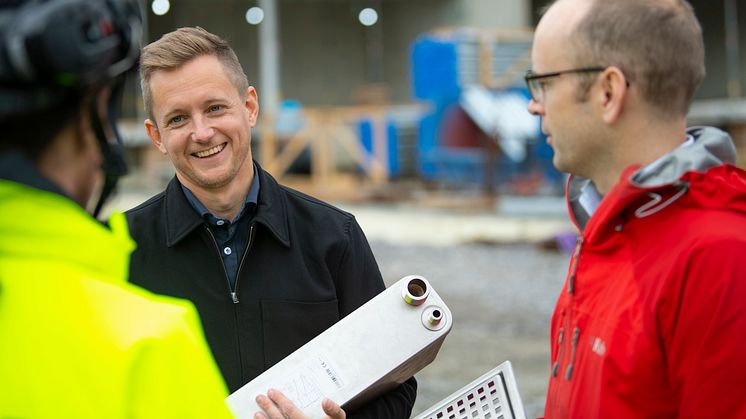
{"type": "Point", "coordinates": [252, 105]}
{"type": "Point", "coordinates": [614, 94]}
{"type": "Point", "coordinates": [155, 135]}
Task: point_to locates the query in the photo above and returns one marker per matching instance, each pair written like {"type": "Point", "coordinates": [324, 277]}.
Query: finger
{"type": "Point", "coordinates": [333, 410]}
{"type": "Point", "coordinates": [271, 411]}
{"type": "Point", "coordinates": [287, 407]}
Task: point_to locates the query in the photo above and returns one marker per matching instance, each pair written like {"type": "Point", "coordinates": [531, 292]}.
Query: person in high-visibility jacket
{"type": "Point", "coordinates": [77, 340]}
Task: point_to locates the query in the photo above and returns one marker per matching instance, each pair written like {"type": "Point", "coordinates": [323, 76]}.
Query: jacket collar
{"type": "Point", "coordinates": [182, 219]}
{"type": "Point", "coordinates": [711, 147]}
{"type": "Point", "coordinates": [272, 209]}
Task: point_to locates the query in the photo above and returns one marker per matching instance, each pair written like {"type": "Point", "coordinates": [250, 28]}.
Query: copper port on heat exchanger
{"type": "Point", "coordinates": [415, 293]}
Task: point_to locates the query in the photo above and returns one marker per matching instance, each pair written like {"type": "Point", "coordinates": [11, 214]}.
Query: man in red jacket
{"type": "Point", "coordinates": [651, 322]}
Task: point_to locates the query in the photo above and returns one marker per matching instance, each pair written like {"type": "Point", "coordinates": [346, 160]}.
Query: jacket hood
{"type": "Point", "coordinates": [702, 172]}
{"type": "Point", "coordinates": [711, 147]}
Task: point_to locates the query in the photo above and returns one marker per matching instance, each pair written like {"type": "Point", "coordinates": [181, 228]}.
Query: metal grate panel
{"type": "Point", "coordinates": [491, 396]}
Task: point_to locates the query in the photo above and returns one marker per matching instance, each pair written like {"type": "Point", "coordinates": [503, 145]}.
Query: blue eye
{"type": "Point", "coordinates": [176, 120]}
{"type": "Point", "coordinates": [215, 108]}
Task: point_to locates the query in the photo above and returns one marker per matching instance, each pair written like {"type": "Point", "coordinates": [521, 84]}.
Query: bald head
{"type": "Point", "coordinates": [554, 34]}
{"type": "Point", "coordinates": [563, 16]}
{"type": "Point", "coordinates": [643, 38]}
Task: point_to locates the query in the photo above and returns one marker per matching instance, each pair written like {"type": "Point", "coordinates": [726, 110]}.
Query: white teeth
{"type": "Point", "coordinates": [210, 152]}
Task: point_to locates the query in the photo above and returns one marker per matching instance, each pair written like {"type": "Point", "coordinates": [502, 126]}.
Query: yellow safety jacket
{"type": "Point", "coordinates": [78, 341]}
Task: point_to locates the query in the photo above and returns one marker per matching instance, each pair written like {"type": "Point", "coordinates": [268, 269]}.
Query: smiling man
{"type": "Point", "coordinates": [267, 267]}
{"type": "Point", "coordinates": [651, 322]}
{"type": "Point", "coordinates": [203, 124]}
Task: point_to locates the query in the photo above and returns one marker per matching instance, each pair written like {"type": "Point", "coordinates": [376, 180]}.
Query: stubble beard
{"type": "Point", "coordinates": [215, 182]}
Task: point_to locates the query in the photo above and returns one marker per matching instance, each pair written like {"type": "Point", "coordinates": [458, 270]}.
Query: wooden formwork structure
{"type": "Point", "coordinates": [324, 132]}
{"type": "Point", "coordinates": [327, 130]}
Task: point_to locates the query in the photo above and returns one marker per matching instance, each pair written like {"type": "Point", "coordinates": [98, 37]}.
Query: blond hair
{"type": "Point", "coordinates": [178, 47]}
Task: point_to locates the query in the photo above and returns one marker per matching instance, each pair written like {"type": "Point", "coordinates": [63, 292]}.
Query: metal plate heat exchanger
{"type": "Point", "coordinates": [372, 350]}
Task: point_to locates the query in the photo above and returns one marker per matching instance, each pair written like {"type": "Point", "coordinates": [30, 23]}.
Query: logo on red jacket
{"type": "Point", "coordinates": [598, 346]}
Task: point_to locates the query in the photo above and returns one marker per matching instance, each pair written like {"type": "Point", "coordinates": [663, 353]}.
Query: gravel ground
{"type": "Point", "coordinates": [501, 297]}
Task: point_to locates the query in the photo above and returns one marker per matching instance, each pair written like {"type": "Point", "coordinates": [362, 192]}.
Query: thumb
{"type": "Point", "coordinates": [333, 410]}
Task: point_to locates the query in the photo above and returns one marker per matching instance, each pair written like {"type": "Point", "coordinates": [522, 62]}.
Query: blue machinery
{"type": "Point", "coordinates": [478, 130]}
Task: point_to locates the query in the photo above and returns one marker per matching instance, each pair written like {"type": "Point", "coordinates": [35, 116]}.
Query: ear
{"type": "Point", "coordinates": [613, 94]}
{"type": "Point", "coordinates": [252, 105]}
{"type": "Point", "coordinates": [155, 135]}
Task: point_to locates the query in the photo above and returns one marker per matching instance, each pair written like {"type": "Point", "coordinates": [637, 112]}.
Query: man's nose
{"type": "Point", "coordinates": [202, 130]}
{"type": "Point", "coordinates": [535, 108]}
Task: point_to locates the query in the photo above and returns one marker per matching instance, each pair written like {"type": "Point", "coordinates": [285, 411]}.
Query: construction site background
{"type": "Point", "coordinates": [416, 124]}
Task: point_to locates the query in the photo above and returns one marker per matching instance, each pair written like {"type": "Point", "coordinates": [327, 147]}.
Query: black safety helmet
{"type": "Point", "coordinates": [52, 49]}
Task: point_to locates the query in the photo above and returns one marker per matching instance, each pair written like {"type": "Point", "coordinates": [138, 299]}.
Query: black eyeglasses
{"type": "Point", "coordinates": [536, 87]}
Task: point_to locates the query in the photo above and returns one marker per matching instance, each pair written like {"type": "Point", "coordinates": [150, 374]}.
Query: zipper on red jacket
{"type": "Point", "coordinates": [575, 338]}
{"type": "Point", "coordinates": [558, 384]}
{"type": "Point", "coordinates": [555, 382]}
{"type": "Point", "coordinates": [571, 291]}
{"type": "Point", "coordinates": [574, 266]}
{"type": "Point", "coordinates": [560, 337]}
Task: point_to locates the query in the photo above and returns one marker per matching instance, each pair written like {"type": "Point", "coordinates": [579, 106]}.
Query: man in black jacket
{"type": "Point", "coordinates": [267, 267]}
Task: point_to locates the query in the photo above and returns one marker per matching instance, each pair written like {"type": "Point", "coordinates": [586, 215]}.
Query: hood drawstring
{"type": "Point", "coordinates": [656, 205]}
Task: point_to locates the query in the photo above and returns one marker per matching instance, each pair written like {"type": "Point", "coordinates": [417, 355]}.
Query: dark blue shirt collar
{"type": "Point", "coordinates": [252, 198]}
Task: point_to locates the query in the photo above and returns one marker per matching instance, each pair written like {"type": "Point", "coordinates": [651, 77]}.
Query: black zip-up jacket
{"type": "Point", "coordinates": [307, 265]}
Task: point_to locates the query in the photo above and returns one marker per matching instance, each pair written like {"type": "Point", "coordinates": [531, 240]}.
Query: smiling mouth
{"type": "Point", "coordinates": [209, 152]}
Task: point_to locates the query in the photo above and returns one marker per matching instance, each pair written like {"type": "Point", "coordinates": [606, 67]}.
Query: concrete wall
{"type": "Point", "coordinates": [712, 18]}
{"type": "Point", "coordinates": [224, 18]}
{"type": "Point", "coordinates": [327, 57]}
{"type": "Point", "coordinates": [496, 13]}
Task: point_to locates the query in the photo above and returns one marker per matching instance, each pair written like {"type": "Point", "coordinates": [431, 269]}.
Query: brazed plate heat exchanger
{"type": "Point", "coordinates": [369, 352]}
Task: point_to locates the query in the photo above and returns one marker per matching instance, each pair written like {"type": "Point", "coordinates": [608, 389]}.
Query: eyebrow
{"type": "Point", "coordinates": [205, 103]}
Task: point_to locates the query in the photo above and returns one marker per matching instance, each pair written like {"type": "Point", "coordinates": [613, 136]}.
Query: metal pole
{"type": "Point", "coordinates": [731, 49]}
{"type": "Point", "coordinates": [269, 59]}
{"type": "Point", "coordinates": [374, 40]}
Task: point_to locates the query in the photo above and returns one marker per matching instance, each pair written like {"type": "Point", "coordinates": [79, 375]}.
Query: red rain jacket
{"type": "Point", "coordinates": [651, 322]}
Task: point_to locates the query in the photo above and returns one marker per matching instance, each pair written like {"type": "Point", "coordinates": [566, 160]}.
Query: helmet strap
{"type": "Point", "coordinates": [110, 142]}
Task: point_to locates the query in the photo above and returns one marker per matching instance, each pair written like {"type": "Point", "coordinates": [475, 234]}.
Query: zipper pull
{"type": "Point", "coordinates": [234, 297]}
{"type": "Point", "coordinates": [574, 262]}
{"type": "Point", "coordinates": [575, 338]}
{"type": "Point", "coordinates": [555, 367]}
